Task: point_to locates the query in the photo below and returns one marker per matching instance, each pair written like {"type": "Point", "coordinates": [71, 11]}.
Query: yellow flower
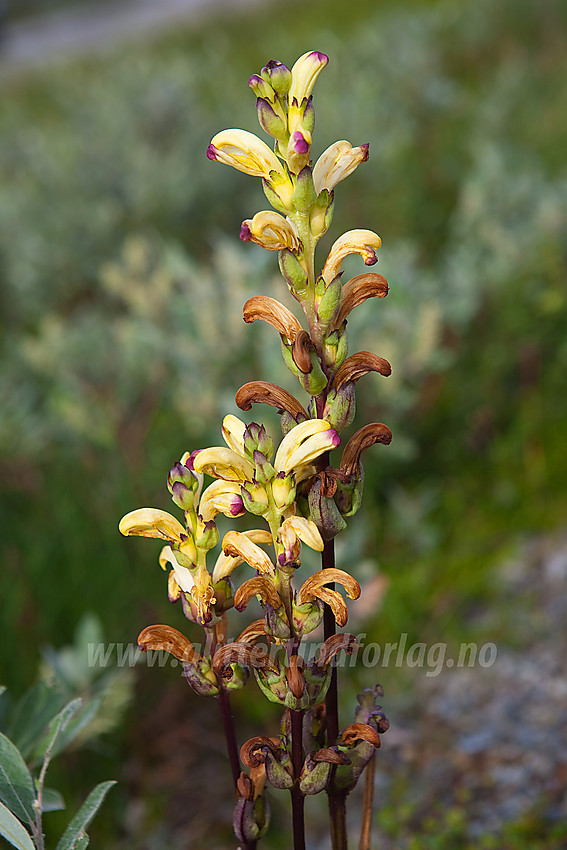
{"type": "Point", "coordinates": [220, 462]}
{"type": "Point", "coordinates": [196, 583]}
{"type": "Point", "coordinates": [363, 242]}
{"type": "Point", "coordinates": [221, 497]}
{"type": "Point", "coordinates": [337, 162]}
{"type": "Point", "coordinates": [239, 545]}
{"type": "Point", "coordinates": [245, 152]}
{"type": "Point", "coordinates": [295, 529]}
{"type": "Point", "coordinates": [270, 230]}
{"type": "Point", "coordinates": [303, 76]}
{"type": "Point", "coordinates": [226, 563]}
{"type": "Point", "coordinates": [303, 444]}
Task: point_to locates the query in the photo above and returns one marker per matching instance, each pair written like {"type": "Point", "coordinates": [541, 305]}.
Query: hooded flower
{"type": "Point", "coordinates": [337, 162]}
{"type": "Point", "coordinates": [271, 231]}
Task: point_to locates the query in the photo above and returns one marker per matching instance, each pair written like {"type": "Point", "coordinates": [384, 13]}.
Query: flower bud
{"type": "Point", "coordinates": [274, 198]}
{"type": "Point", "coordinates": [293, 271]}
{"type": "Point", "coordinates": [335, 348]}
{"type": "Point", "coordinates": [276, 622]}
{"type": "Point", "coordinates": [279, 769]}
{"type": "Point", "coordinates": [304, 195]}
{"type": "Point", "coordinates": [255, 498]}
{"type": "Point", "coordinates": [264, 469]}
{"type": "Point", "coordinates": [314, 776]}
{"type": "Point", "coordinates": [330, 303]}
{"type": "Point", "coordinates": [261, 87]}
{"type": "Point", "coordinates": [207, 535]}
{"type": "Point", "coordinates": [322, 213]}
{"type": "Point", "coordinates": [256, 438]}
{"type": "Point", "coordinates": [283, 490]}
{"type": "Point", "coordinates": [182, 484]}
{"type": "Point", "coordinates": [298, 149]}
{"type": "Point", "coordinates": [306, 617]}
{"type": "Point", "coordinates": [324, 512]}
{"type": "Point", "coordinates": [340, 407]}
{"type": "Point", "coordinates": [201, 678]}
{"type": "Point", "coordinates": [315, 381]}
{"type": "Point", "coordinates": [269, 120]}
{"type": "Point", "coordinates": [278, 75]}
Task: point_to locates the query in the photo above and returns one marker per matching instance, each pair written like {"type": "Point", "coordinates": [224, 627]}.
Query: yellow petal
{"type": "Point", "coordinates": [294, 438]}
{"type": "Point", "coordinates": [363, 242]}
{"type": "Point", "coordinates": [337, 162]}
{"type": "Point", "coordinates": [304, 74]}
{"type": "Point", "coordinates": [271, 231]}
{"type": "Point", "coordinates": [221, 497]}
{"type": "Point", "coordinates": [183, 576]}
{"type": "Point", "coordinates": [233, 432]}
{"type": "Point", "coordinates": [225, 564]}
{"type": "Point", "coordinates": [307, 531]}
{"type": "Point", "coordinates": [245, 152]}
{"type": "Point", "coordinates": [220, 462]}
{"type": "Point", "coordinates": [239, 545]}
{"type": "Point", "coordinates": [151, 522]}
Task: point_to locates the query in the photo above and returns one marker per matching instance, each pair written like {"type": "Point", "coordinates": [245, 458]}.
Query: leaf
{"type": "Point", "coordinates": [74, 836]}
{"type": "Point", "coordinates": [13, 831]}
{"type": "Point", "coordinates": [37, 707]}
{"type": "Point", "coordinates": [16, 784]}
{"type": "Point", "coordinates": [52, 800]}
{"type": "Point", "coordinates": [57, 727]}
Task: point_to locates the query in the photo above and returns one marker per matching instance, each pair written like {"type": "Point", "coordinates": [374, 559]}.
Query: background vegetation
{"type": "Point", "coordinates": [122, 345]}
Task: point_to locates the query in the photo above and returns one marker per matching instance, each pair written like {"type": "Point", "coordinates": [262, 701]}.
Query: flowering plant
{"type": "Point", "coordinates": [297, 494]}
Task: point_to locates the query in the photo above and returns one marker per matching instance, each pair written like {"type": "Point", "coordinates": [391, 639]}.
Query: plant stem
{"type": "Point", "coordinates": [337, 798]}
{"type": "Point", "coordinates": [367, 805]}
{"type": "Point", "coordinates": [229, 733]}
{"type": "Point", "coordinates": [297, 798]}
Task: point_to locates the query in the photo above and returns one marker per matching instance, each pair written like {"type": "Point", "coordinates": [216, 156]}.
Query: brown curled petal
{"type": "Point", "coordinates": [295, 677]}
{"type": "Point", "coordinates": [267, 393]}
{"type": "Point", "coordinates": [266, 309]}
{"type": "Point", "coordinates": [169, 639]}
{"type": "Point", "coordinates": [365, 437]}
{"type": "Point", "coordinates": [245, 786]}
{"type": "Point", "coordinates": [251, 753]}
{"type": "Point", "coordinates": [301, 351]}
{"type": "Point", "coordinates": [358, 365]}
{"type": "Point", "coordinates": [357, 290]}
{"type": "Point", "coordinates": [311, 586]}
{"type": "Point", "coordinates": [360, 731]}
{"type": "Point", "coordinates": [336, 603]}
{"type": "Point", "coordinates": [257, 586]}
{"type": "Point", "coordinates": [241, 653]}
{"type": "Point", "coordinates": [333, 645]}
{"type": "Point", "coordinates": [331, 756]}
{"type": "Point", "coordinates": [253, 631]}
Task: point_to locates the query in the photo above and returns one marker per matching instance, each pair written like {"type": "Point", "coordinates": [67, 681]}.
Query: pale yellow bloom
{"type": "Point", "coordinates": [245, 152]}
{"type": "Point", "coordinates": [363, 242]}
{"type": "Point", "coordinates": [152, 522]}
{"type": "Point", "coordinates": [237, 544]}
{"type": "Point", "coordinates": [233, 433]}
{"type": "Point", "coordinates": [304, 74]}
{"type": "Point", "coordinates": [225, 564]}
{"type": "Point", "coordinates": [270, 230]}
{"type": "Point", "coordinates": [182, 575]}
{"type": "Point", "coordinates": [221, 497]}
{"type": "Point", "coordinates": [304, 443]}
{"type": "Point", "coordinates": [220, 462]}
{"type": "Point", "coordinates": [337, 162]}
{"type": "Point", "coordinates": [306, 531]}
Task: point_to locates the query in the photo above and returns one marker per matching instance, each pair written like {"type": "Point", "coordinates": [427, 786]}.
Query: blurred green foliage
{"type": "Point", "coordinates": [122, 283]}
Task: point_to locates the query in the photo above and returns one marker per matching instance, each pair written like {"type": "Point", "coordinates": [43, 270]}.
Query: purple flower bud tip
{"type": "Point", "coordinates": [370, 261]}
{"type": "Point", "coordinates": [282, 559]}
{"type": "Point", "coordinates": [336, 440]}
{"type": "Point", "coordinates": [212, 152]}
{"type": "Point", "coordinates": [237, 506]}
{"type": "Point", "coordinates": [191, 459]}
{"type": "Point", "coordinates": [245, 234]}
{"type": "Point", "coordinates": [254, 80]}
{"type": "Point", "coordinates": [300, 144]}
{"type": "Point", "coordinates": [365, 148]}
{"type": "Point", "coordinates": [322, 57]}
